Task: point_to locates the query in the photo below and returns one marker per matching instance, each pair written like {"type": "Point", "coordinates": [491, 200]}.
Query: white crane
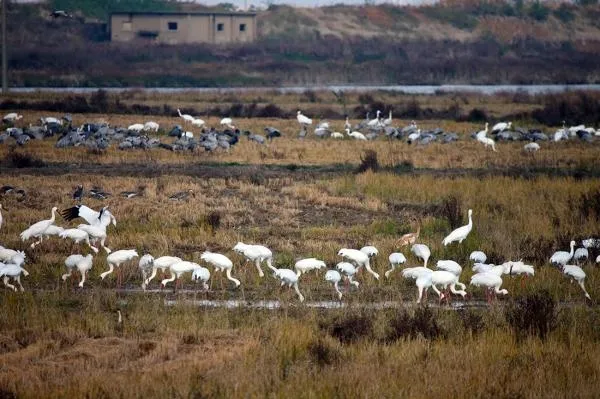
{"type": "Point", "coordinates": [337, 135]}
{"type": "Point", "coordinates": [256, 254]}
{"type": "Point", "coordinates": [201, 274]}
{"type": "Point", "coordinates": [356, 135]}
{"type": "Point", "coordinates": [452, 267]}
{"type": "Point", "coordinates": [305, 265]}
{"type": "Point", "coordinates": [303, 120]}
{"type": "Point", "coordinates": [461, 233]}
{"type": "Point", "coordinates": [396, 259]}
{"type": "Point", "coordinates": [77, 236]}
{"type": "Point", "coordinates": [388, 121]}
{"type": "Point", "coordinates": [136, 127]}
{"type": "Point", "coordinates": [145, 265]}
{"type": "Point", "coordinates": [117, 258]}
{"type": "Point", "coordinates": [562, 257]}
{"type": "Point", "coordinates": [481, 136]}
{"type": "Point", "coordinates": [491, 282]}
{"type": "Point", "coordinates": [446, 280]}
{"type": "Point", "coordinates": [220, 262]}
{"type": "Point", "coordinates": [8, 271]}
{"type": "Point", "coordinates": [478, 257]}
{"type": "Point", "coordinates": [359, 258]}
{"type": "Point", "coordinates": [422, 277]}
{"type": "Point", "coordinates": [95, 233]}
{"type": "Point", "coordinates": [92, 217]}
{"type": "Point", "coordinates": [197, 122]}
{"type": "Point", "coordinates": [347, 124]}
{"type": "Point", "coordinates": [178, 268]}
{"type": "Point", "coordinates": [581, 254]}
{"type": "Point", "coordinates": [518, 268]}
{"type": "Point", "coordinates": [422, 252]}
{"type": "Point", "coordinates": [370, 250]}
{"type": "Point", "coordinates": [37, 229]}
{"type": "Point", "coordinates": [151, 126]}
{"type": "Point", "coordinates": [375, 122]}
{"type": "Point", "coordinates": [12, 117]}
{"type": "Point", "coordinates": [334, 277]}
{"type": "Point", "coordinates": [288, 277]}
{"type": "Point", "coordinates": [501, 126]}
{"type": "Point", "coordinates": [489, 268]}
{"type": "Point", "coordinates": [79, 262]}
{"type": "Point", "coordinates": [576, 273]}
{"type": "Point", "coordinates": [531, 147]}
{"type": "Point", "coordinates": [348, 270]}
{"type": "Point", "coordinates": [11, 256]}
{"type": "Point", "coordinates": [163, 263]}
{"type": "Point", "coordinates": [186, 117]}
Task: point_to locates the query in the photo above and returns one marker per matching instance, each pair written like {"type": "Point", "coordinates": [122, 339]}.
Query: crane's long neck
{"type": "Point", "coordinates": [572, 249]}
{"type": "Point", "coordinates": [53, 218]}
{"type": "Point", "coordinates": [418, 231]}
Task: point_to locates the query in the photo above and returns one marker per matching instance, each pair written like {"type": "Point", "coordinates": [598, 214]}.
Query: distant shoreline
{"type": "Point", "coordinates": [407, 89]}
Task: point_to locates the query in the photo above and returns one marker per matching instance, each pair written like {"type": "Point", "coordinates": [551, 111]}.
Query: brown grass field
{"type": "Point", "coordinates": [302, 199]}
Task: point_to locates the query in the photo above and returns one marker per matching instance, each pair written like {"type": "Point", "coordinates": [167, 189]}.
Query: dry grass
{"type": "Point", "coordinates": [56, 341]}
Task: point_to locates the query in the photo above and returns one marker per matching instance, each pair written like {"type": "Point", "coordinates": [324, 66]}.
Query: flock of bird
{"type": "Point", "coordinates": [99, 136]}
{"type": "Point", "coordinates": [444, 280]}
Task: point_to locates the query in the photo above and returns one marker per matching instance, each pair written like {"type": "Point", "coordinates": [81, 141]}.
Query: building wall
{"type": "Point", "coordinates": [184, 28]}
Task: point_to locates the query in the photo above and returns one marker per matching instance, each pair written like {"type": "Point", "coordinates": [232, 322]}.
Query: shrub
{"type": "Point", "coordinates": [19, 160]}
{"type": "Point", "coordinates": [538, 11]}
{"type": "Point", "coordinates": [532, 314]}
{"type": "Point", "coordinates": [452, 211]}
{"type": "Point", "coordinates": [351, 328]}
{"type": "Point", "coordinates": [213, 220]}
{"type": "Point", "coordinates": [421, 323]}
{"type": "Point", "coordinates": [589, 205]}
{"type": "Point", "coordinates": [322, 353]}
{"type": "Point", "coordinates": [369, 161]}
{"type": "Point", "coordinates": [472, 321]}
{"type": "Point", "coordinates": [564, 13]}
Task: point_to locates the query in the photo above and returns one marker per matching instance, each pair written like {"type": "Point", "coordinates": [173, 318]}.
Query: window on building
{"type": "Point", "coordinates": [242, 27]}
{"type": "Point", "coordinates": [220, 27]}
{"type": "Point", "coordinates": [172, 25]}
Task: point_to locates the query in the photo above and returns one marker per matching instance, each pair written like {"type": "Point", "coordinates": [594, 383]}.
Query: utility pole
{"type": "Point", "coordinates": [4, 50]}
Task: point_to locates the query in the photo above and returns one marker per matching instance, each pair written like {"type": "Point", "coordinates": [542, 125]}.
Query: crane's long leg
{"type": "Point", "coordinates": [111, 268]}
{"type": "Point", "coordinates": [260, 272]}
{"type": "Point", "coordinates": [152, 275]}
{"type": "Point", "coordinates": [335, 285]}
{"type": "Point", "coordinates": [82, 278]}
{"type": "Point", "coordinates": [235, 280]}
{"type": "Point", "coordinates": [18, 278]}
{"type": "Point", "coordinates": [368, 267]}
{"type": "Point", "coordinates": [582, 285]}
{"type": "Point", "coordinates": [6, 283]}
{"type": "Point", "coordinates": [387, 274]}
{"type": "Point", "coordinates": [300, 296]}
{"type": "Point", "coordinates": [65, 276]}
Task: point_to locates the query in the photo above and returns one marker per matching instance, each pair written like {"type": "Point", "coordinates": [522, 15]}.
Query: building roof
{"type": "Point", "coordinates": [167, 13]}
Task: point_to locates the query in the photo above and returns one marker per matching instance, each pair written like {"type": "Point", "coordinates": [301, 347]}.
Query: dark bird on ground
{"type": "Point", "coordinates": [182, 195]}
{"type": "Point", "coordinates": [78, 193]}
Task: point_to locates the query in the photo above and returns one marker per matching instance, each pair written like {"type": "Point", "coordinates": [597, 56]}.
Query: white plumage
{"type": "Point", "coordinates": [178, 268]}
{"type": "Point", "coordinates": [186, 117]}
{"type": "Point", "coordinates": [201, 274]}
{"type": "Point", "coordinates": [422, 252]}
{"type": "Point", "coordinates": [491, 282]}
{"type": "Point", "coordinates": [303, 120]}
{"type": "Point", "coordinates": [445, 280]}
{"type": "Point", "coordinates": [79, 262]}
{"type": "Point", "coordinates": [349, 271]}
{"type": "Point", "coordinates": [8, 255]}
{"type": "Point", "coordinates": [290, 278]}
{"type": "Point", "coordinates": [478, 257]}
{"type": "Point", "coordinates": [375, 122]}
{"type": "Point", "coordinates": [337, 135]}
{"type": "Point", "coordinates": [577, 274]}
{"type": "Point", "coordinates": [117, 258]}
{"type": "Point", "coordinates": [562, 257]}
{"type": "Point", "coordinates": [359, 258]}
{"type": "Point", "coordinates": [151, 126]}
{"type": "Point", "coordinates": [256, 254]}
{"type": "Point", "coordinates": [136, 127]}
{"type": "Point", "coordinates": [163, 263]}
{"type": "Point", "coordinates": [334, 277]}
{"type": "Point", "coordinates": [531, 147]}
{"type": "Point", "coordinates": [518, 268]}
{"type": "Point", "coordinates": [220, 262]}
{"type": "Point", "coordinates": [305, 265]}
{"type": "Point", "coordinates": [37, 229]}
{"type": "Point", "coordinates": [591, 243]}
{"type": "Point", "coordinates": [422, 277]}
{"type": "Point", "coordinates": [581, 254]}
{"type": "Point", "coordinates": [396, 259]}
{"type": "Point", "coordinates": [461, 233]}
{"type": "Point", "coordinates": [501, 126]}
{"type": "Point", "coordinates": [100, 218]}
{"type": "Point", "coordinates": [226, 122]}
{"type": "Point", "coordinates": [356, 135]}
{"type": "Point", "coordinates": [8, 271]}
{"type": "Point", "coordinates": [77, 236]}
{"type": "Point", "coordinates": [452, 267]}
{"type": "Point", "coordinates": [11, 117]}
{"type": "Point", "coordinates": [370, 251]}
{"type": "Point", "coordinates": [95, 233]}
